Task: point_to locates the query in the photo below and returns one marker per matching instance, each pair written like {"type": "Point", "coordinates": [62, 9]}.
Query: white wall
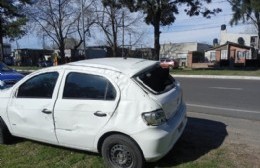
{"type": "Point", "coordinates": [233, 37]}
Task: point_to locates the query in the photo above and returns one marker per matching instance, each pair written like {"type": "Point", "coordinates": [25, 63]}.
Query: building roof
{"type": "Point", "coordinates": [230, 43]}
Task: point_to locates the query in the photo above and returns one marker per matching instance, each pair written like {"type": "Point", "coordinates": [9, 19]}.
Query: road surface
{"type": "Point", "coordinates": [226, 97]}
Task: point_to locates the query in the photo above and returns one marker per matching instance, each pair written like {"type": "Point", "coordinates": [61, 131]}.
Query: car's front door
{"type": "Point", "coordinates": [83, 108]}
{"type": "Point", "coordinates": [30, 110]}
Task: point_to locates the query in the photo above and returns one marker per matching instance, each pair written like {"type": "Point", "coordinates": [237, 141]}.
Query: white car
{"type": "Point", "coordinates": [129, 110]}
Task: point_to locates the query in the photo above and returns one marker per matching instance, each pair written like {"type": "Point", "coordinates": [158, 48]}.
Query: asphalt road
{"type": "Point", "coordinates": [225, 97]}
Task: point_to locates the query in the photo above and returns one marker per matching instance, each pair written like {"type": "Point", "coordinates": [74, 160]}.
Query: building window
{"type": "Point", "coordinates": [224, 55]}
{"type": "Point", "coordinates": [243, 55]}
{"type": "Point", "coordinates": [212, 56]}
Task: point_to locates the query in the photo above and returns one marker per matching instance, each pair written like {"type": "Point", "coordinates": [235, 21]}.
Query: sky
{"type": "Point", "coordinates": [184, 29]}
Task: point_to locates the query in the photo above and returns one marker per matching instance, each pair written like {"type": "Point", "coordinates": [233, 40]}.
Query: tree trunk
{"type": "Point", "coordinates": [157, 34]}
{"type": "Point", "coordinates": [1, 42]}
{"type": "Point", "coordinates": [1, 49]}
{"type": "Point", "coordinates": [258, 38]}
{"type": "Point", "coordinates": [62, 53]}
{"type": "Point", "coordinates": [258, 44]}
{"type": "Point", "coordinates": [114, 31]}
{"type": "Point", "coordinates": [62, 50]}
{"type": "Point", "coordinates": [157, 41]}
{"type": "Point", "coordinates": [114, 49]}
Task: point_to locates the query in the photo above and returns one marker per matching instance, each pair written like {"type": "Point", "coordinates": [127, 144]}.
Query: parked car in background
{"type": "Point", "coordinates": [8, 76]}
{"type": "Point", "coordinates": [9, 61]}
{"type": "Point", "coordinates": [169, 63]}
{"type": "Point", "coordinates": [45, 63]}
{"type": "Point", "coordinates": [130, 110]}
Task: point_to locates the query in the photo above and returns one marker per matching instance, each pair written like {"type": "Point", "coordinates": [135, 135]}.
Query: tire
{"type": "Point", "coordinates": [120, 151]}
{"type": "Point", "coordinates": [5, 136]}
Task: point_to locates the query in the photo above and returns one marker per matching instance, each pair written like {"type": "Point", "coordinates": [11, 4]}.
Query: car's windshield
{"type": "Point", "coordinates": [157, 80]}
{"type": "Point", "coordinates": [4, 67]}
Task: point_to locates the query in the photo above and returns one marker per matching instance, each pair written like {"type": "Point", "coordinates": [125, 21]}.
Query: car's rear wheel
{"type": "Point", "coordinates": [5, 135]}
{"type": "Point", "coordinates": [119, 151]}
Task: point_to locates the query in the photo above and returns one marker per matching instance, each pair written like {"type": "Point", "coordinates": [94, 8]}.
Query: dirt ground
{"type": "Point", "coordinates": [242, 142]}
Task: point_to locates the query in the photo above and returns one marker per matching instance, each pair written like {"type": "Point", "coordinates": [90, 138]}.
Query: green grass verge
{"type": "Point", "coordinates": [216, 72]}
{"type": "Point", "coordinates": [25, 68]}
{"type": "Point", "coordinates": [30, 154]}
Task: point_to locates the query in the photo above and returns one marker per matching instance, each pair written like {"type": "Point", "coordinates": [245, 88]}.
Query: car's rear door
{"type": "Point", "coordinates": [30, 109]}
{"type": "Point", "coordinates": [83, 107]}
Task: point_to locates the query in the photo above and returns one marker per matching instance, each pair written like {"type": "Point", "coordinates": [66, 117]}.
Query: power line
{"type": "Point", "coordinates": [202, 28]}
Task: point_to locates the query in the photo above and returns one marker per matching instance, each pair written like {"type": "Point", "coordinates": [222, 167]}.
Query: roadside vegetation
{"type": "Point", "coordinates": [216, 72]}
{"type": "Point", "coordinates": [32, 154]}
{"type": "Point", "coordinates": [25, 68]}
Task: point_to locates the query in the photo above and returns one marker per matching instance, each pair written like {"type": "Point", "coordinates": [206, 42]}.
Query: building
{"type": "Point", "coordinates": [31, 57]}
{"type": "Point", "coordinates": [231, 55]}
{"type": "Point", "coordinates": [7, 50]}
{"type": "Point", "coordinates": [180, 51]}
{"type": "Point", "coordinates": [145, 53]}
{"type": "Point", "coordinates": [251, 40]}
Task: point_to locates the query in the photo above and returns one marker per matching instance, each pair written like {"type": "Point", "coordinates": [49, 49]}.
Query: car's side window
{"type": "Point", "coordinates": [40, 86]}
{"type": "Point", "coordinates": [87, 86]}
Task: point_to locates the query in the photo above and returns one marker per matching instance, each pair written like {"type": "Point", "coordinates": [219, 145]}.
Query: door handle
{"type": "Point", "coordinates": [46, 111]}
{"type": "Point", "coordinates": [100, 114]}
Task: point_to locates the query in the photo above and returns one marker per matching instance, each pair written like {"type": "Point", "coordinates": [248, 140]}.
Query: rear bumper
{"type": "Point", "coordinates": [158, 141]}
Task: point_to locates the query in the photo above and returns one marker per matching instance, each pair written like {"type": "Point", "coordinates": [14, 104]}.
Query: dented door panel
{"type": "Point", "coordinates": [78, 120]}
{"type": "Point", "coordinates": [33, 117]}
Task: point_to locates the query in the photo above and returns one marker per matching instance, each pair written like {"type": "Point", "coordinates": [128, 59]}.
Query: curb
{"type": "Point", "coordinates": [217, 77]}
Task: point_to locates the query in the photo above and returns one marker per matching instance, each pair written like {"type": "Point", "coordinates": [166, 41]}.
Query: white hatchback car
{"type": "Point", "coordinates": [129, 110]}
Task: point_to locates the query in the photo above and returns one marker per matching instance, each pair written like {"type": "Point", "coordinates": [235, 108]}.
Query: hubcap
{"type": "Point", "coordinates": [120, 156]}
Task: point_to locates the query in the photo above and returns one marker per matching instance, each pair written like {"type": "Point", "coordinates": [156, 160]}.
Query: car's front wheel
{"type": "Point", "coordinates": [120, 151]}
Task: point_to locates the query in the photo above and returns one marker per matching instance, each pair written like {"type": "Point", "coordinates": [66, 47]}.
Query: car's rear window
{"type": "Point", "coordinates": [157, 80]}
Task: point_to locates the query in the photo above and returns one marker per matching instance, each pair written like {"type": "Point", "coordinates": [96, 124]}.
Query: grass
{"type": "Point", "coordinates": [246, 72]}
{"type": "Point", "coordinates": [25, 68]}
{"type": "Point", "coordinates": [201, 145]}
{"type": "Point", "coordinates": [30, 154]}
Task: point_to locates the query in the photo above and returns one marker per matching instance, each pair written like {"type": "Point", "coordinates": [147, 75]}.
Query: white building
{"type": "Point", "coordinates": [180, 50]}
{"type": "Point", "coordinates": [249, 39]}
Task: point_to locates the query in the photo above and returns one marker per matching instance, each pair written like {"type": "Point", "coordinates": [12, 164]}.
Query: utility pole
{"type": "Point", "coordinates": [43, 42]}
{"type": "Point", "coordinates": [83, 28]}
{"type": "Point", "coordinates": [123, 39]}
{"type": "Point", "coordinates": [130, 42]}
{"type": "Point", "coordinates": [1, 41]}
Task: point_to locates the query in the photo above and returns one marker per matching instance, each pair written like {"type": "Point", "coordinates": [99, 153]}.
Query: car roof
{"type": "Point", "coordinates": [128, 66]}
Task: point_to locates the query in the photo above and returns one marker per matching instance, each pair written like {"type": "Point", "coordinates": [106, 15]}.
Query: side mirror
{"type": "Point", "coordinates": [2, 85]}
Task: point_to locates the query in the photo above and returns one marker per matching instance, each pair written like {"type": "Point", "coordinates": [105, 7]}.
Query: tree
{"type": "Point", "coordinates": [12, 20]}
{"type": "Point", "coordinates": [113, 18]}
{"type": "Point", "coordinates": [162, 13]}
{"type": "Point", "coordinates": [60, 20]}
{"type": "Point", "coordinates": [246, 10]}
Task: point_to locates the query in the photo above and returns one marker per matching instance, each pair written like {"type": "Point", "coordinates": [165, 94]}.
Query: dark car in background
{"type": "Point", "coordinates": [8, 76]}
{"type": "Point", "coordinates": [45, 63]}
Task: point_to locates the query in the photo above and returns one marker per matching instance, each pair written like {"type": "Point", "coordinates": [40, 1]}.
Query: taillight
{"type": "Point", "coordinates": [154, 118]}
